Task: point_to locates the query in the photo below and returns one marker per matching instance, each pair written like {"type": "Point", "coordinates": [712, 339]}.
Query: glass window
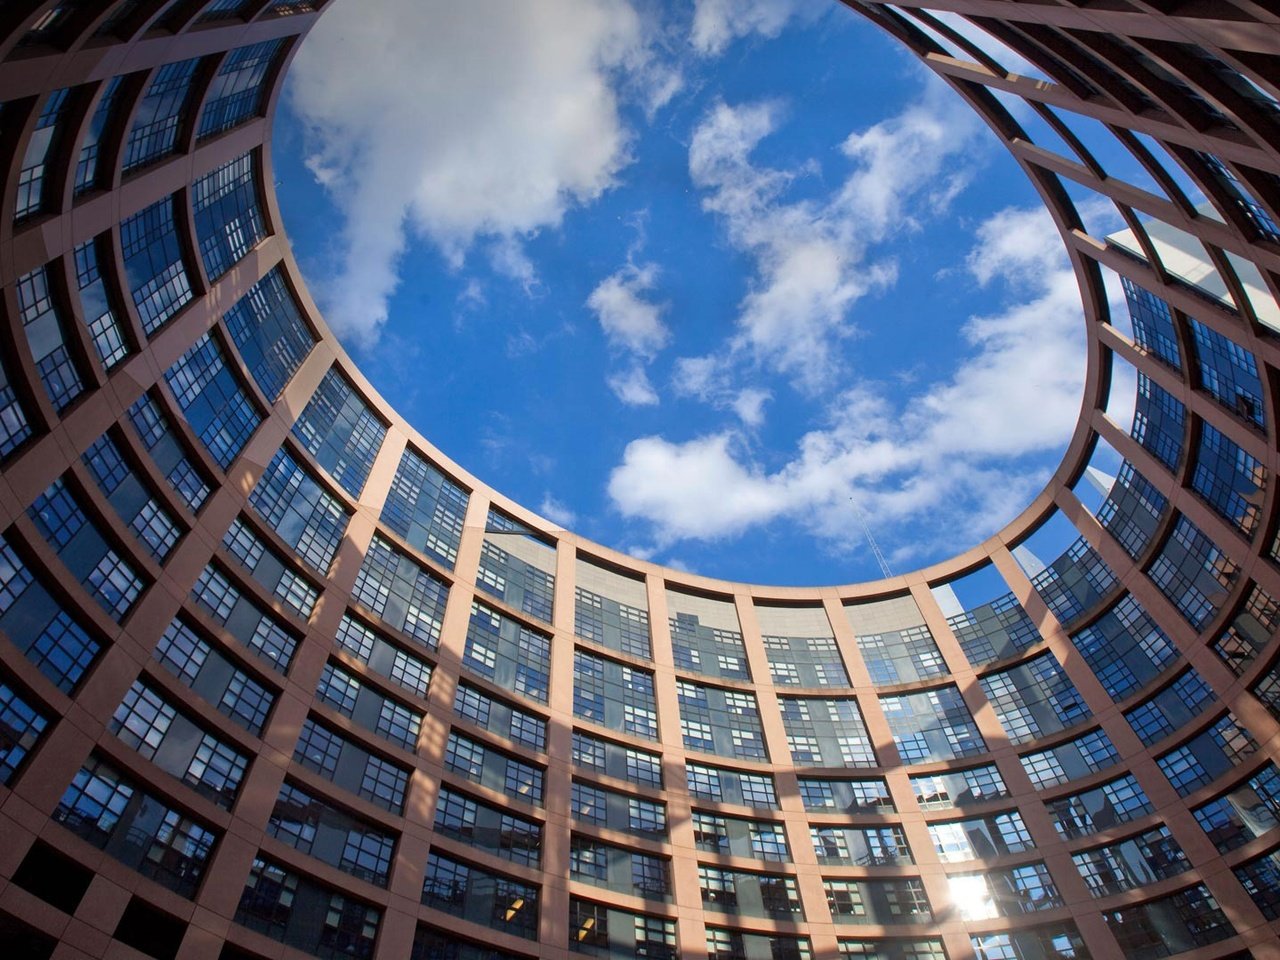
{"type": "Point", "coordinates": [1075, 582]}
{"type": "Point", "coordinates": [1112, 803]}
{"type": "Point", "coordinates": [517, 567]}
{"type": "Point", "coordinates": [1193, 573]}
{"type": "Point", "coordinates": [1159, 422]}
{"type": "Point", "coordinates": [1228, 372]}
{"type": "Point", "coordinates": [1124, 648]}
{"type": "Point", "coordinates": [159, 115]}
{"type": "Point", "coordinates": [268, 330]}
{"type": "Point", "coordinates": [212, 400]}
{"type": "Point", "coordinates": [89, 173]}
{"type": "Point", "coordinates": [300, 510]}
{"type": "Point", "coordinates": [612, 624]}
{"type": "Point", "coordinates": [238, 90]}
{"type": "Point", "coordinates": [21, 726]}
{"type": "Point", "coordinates": [153, 264]}
{"type": "Point", "coordinates": [46, 332]}
{"type": "Point", "coordinates": [483, 897]}
{"type": "Point", "coordinates": [1248, 810]}
{"type": "Point", "coordinates": [1160, 928]}
{"type": "Point", "coordinates": [426, 508]}
{"type": "Point", "coordinates": [1230, 480]}
{"type": "Point", "coordinates": [340, 431]}
{"type": "Point", "coordinates": [932, 725]}
{"type": "Point", "coordinates": [1135, 862]}
{"type": "Point", "coordinates": [994, 630]}
{"type": "Point", "coordinates": [228, 218]}
{"type": "Point", "coordinates": [1034, 699]}
{"type": "Point", "coordinates": [104, 808]}
{"type": "Point", "coordinates": [510, 654]}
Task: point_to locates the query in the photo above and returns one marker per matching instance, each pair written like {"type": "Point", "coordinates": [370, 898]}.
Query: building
{"type": "Point", "coordinates": [279, 680]}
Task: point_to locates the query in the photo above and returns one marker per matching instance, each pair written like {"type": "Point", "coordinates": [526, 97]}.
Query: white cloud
{"type": "Point", "coordinates": [633, 326]}
{"type": "Point", "coordinates": [949, 458]}
{"type": "Point", "coordinates": [696, 490]}
{"type": "Point", "coordinates": [712, 379]}
{"type": "Point", "coordinates": [749, 403]}
{"type": "Point", "coordinates": [629, 321]}
{"type": "Point", "coordinates": [911, 156]}
{"type": "Point", "coordinates": [632, 387]}
{"type": "Point", "coordinates": [556, 511]}
{"type": "Point", "coordinates": [717, 23]}
{"type": "Point", "coordinates": [812, 258]}
{"type": "Point", "coordinates": [458, 121]}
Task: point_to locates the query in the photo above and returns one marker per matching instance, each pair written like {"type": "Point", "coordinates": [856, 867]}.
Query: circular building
{"type": "Point", "coordinates": [280, 680]}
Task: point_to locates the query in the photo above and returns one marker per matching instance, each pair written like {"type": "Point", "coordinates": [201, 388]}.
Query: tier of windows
{"type": "Point", "coordinates": [861, 846]}
{"type": "Point", "coordinates": [1132, 511]}
{"type": "Point", "coordinates": [480, 896]}
{"type": "Point", "coordinates": [516, 567]}
{"type": "Point", "coordinates": [826, 733]}
{"type": "Point", "coordinates": [295, 910]}
{"type": "Point", "coordinates": [1072, 760]}
{"type": "Point", "coordinates": [169, 452]}
{"type": "Point", "coordinates": [270, 334]}
{"type": "Point", "coordinates": [350, 766]}
{"type": "Point", "coordinates": [163, 734]}
{"type": "Point", "coordinates": [300, 510]}
{"type": "Point", "coordinates": [805, 662]}
{"type": "Point", "coordinates": [611, 624]}
{"type": "Point", "coordinates": [615, 868]}
{"type": "Point", "coordinates": [494, 769]}
{"type": "Point", "coordinates": [509, 654]}
{"type": "Point", "coordinates": [616, 760]}
{"type": "Point", "coordinates": [901, 656]}
{"type": "Point", "coordinates": [719, 721]}
{"type": "Point", "coordinates": [78, 540]}
{"type": "Point", "coordinates": [340, 432]}
{"type": "Point", "coordinates": [487, 828]}
{"type": "Point", "coordinates": [597, 930]}
{"type": "Point", "coordinates": [425, 508]}
{"type": "Point", "coordinates": [500, 718]}
{"type": "Point", "coordinates": [614, 695]}
{"type": "Point", "coordinates": [269, 568]}
{"type": "Point", "coordinates": [129, 493]}
{"type": "Point", "coordinates": [331, 835]}
{"type": "Point", "coordinates": [21, 726]}
{"type": "Point", "coordinates": [243, 618]}
{"type": "Point", "coordinates": [108, 810]}
{"type": "Point", "coordinates": [214, 678]}
{"type": "Point", "coordinates": [993, 631]}
{"type": "Point", "coordinates": [613, 810]}
{"type": "Point", "coordinates": [737, 837]}
{"type": "Point", "coordinates": [877, 901]}
{"type": "Point", "coordinates": [369, 708]}
{"type": "Point", "coordinates": [932, 725]}
{"type": "Point", "coordinates": [712, 652]}
{"type": "Point", "coordinates": [382, 656]}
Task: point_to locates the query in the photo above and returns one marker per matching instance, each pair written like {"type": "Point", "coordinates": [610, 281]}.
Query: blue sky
{"type": "Point", "coordinates": [691, 285]}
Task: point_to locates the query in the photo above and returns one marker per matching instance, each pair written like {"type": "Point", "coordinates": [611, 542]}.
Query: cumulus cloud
{"type": "Point", "coordinates": [634, 328]}
{"type": "Point", "coordinates": [556, 511]}
{"type": "Point", "coordinates": [950, 454]}
{"type": "Point", "coordinates": [453, 122]}
{"type": "Point", "coordinates": [628, 320]}
{"type": "Point", "coordinates": [717, 23]}
{"type": "Point", "coordinates": [632, 387]}
{"type": "Point", "coordinates": [713, 380]}
{"type": "Point", "coordinates": [810, 257]}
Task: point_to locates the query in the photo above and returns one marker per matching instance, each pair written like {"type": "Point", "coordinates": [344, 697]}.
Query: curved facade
{"type": "Point", "coordinates": [278, 679]}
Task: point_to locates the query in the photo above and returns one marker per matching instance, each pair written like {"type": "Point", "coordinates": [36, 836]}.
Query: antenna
{"type": "Point", "coordinates": [866, 531]}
